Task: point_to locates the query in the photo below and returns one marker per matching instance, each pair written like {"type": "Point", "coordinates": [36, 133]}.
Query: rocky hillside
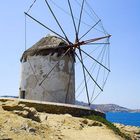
{"type": "Point", "coordinates": [18, 121]}
{"type": "Point", "coordinates": [131, 130]}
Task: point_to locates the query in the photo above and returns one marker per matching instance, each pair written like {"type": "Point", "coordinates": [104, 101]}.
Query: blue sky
{"type": "Point", "coordinates": [120, 18]}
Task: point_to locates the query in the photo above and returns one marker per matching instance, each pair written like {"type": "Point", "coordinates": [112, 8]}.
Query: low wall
{"type": "Point", "coordinates": [57, 108]}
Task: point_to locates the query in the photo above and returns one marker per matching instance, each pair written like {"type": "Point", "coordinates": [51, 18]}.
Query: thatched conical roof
{"type": "Point", "coordinates": [45, 46]}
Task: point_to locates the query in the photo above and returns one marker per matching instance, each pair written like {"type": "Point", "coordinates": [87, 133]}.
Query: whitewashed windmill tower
{"type": "Point", "coordinates": [40, 80]}
{"type": "Point", "coordinates": [50, 68]}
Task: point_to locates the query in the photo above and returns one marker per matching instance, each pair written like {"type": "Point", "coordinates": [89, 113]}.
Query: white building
{"type": "Point", "coordinates": [39, 81]}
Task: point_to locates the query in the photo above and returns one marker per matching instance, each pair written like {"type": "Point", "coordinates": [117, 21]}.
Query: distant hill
{"type": "Point", "coordinates": [108, 107]}
{"type": "Point", "coordinates": [7, 96]}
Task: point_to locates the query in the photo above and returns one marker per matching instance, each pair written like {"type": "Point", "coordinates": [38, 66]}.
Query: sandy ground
{"type": "Point", "coordinates": [26, 123]}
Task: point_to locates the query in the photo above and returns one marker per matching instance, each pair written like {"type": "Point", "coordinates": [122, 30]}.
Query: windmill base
{"type": "Point", "coordinates": [56, 108]}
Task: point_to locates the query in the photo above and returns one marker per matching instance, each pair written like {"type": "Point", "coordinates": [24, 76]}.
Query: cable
{"type": "Point", "coordinates": [89, 53]}
{"type": "Point", "coordinates": [83, 67]}
{"type": "Point", "coordinates": [90, 15]}
{"type": "Point", "coordinates": [31, 6]}
{"type": "Point", "coordinates": [57, 21]}
{"type": "Point", "coordinates": [80, 15]}
{"type": "Point", "coordinates": [76, 33]}
{"type": "Point", "coordinates": [85, 10]}
{"type": "Point", "coordinates": [64, 11]}
{"type": "Point", "coordinates": [25, 35]}
{"type": "Point", "coordinates": [98, 74]}
{"type": "Point", "coordinates": [91, 73]}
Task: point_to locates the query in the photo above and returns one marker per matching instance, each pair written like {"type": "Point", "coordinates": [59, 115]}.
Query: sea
{"type": "Point", "coordinates": [132, 119]}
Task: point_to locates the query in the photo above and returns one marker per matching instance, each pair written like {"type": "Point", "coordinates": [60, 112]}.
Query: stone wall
{"type": "Point", "coordinates": [54, 108]}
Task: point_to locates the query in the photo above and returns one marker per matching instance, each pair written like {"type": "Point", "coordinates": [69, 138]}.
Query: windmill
{"type": "Point", "coordinates": [85, 44]}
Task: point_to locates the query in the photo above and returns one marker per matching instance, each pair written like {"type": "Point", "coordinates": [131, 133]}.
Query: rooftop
{"type": "Point", "coordinates": [45, 45]}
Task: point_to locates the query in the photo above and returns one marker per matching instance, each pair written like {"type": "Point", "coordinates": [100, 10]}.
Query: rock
{"type": "Point", "coordinates": [6, 139]}
{"type": "Point", "coordinates": [51, 137]}
{"type": "Point", "coordinates": [95, 124]}
{"type": "Point", "coordinates": [43, 117]}
{"type": "Point", "coordinates": [85, 121]}
{"type": "Point", "coordinates": [59, 137]}
{"type": "Point", "coordinates": [27, 128]}
{"type": "Point", "coordinates": [35, 117]}
{"type": "Point", "coordinates": [31, 110]}
{"type": "Point", "coordinates": [32, 130]}
{"type": "Point", "coordinates": [12, 107]}
{"type": "Point", "coordinates": [22, 105]}
{"type": "Point", "coordinates": [21, 113]}
{"type": "Point", "coordinates": [133, 131]}
{"type": "Point", "coordinates": [17, 111]}
{"type": "Point", "coordinates": [62, 135]}
{"type": "Point", "coordinates": [81, 126]}
{"type": "Point", "coordinates": [6, 121]}
{"type": "Point", "coordinates": [137, 132]}
{"type": "Point", "coordinates": [68, 115]}
{"type": "Point", "coordinates": [26, 108]}
{"type": "Point", "coordinates": [24, 113]}
{"type": "Point", "coordinates": [15, 130]}
{"type": "Point", "coordinates": [24, 127]}
{"type": "Point", "coordinates": [30, 113]}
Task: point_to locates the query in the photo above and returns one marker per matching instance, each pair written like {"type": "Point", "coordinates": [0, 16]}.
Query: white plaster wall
{"type": "Point", "coordinates": [54, 88]}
